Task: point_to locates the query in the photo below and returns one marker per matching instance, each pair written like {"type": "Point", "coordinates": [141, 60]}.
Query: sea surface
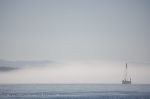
{"type": "Point", "coordinates": [74, 91]}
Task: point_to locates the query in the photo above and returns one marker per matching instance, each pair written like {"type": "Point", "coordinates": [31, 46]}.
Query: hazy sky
{"type": "Point", "coordinates": [101, 30]}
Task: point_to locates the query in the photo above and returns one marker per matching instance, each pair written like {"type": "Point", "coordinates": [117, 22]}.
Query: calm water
{"type": "Point", "coordinates": [75, 91]}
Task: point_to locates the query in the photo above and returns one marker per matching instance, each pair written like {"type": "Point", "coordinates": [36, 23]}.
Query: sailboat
{"type": "Point", "coordinates": [126, 79]}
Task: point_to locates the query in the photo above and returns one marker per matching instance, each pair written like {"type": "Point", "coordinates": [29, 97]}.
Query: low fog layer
{"type": "Point", "coordinates": [76, 72]}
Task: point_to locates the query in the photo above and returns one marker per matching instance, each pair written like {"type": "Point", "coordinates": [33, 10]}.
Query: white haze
{"type": "Point", "coordinates": [77, 72]}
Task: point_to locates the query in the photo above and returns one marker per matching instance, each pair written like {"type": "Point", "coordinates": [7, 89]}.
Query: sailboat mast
{"type": "Point", "coordinates": [126, 72]}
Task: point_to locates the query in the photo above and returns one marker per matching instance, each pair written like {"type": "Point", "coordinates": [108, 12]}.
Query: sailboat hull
{"type": "Point", "coordinates": [126, 82]}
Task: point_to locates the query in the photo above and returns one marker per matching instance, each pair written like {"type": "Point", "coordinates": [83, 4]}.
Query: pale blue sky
{"type": "Point", "coordinates": [105, 33]}
{"type": "Point", "coordinates": [75, 29]}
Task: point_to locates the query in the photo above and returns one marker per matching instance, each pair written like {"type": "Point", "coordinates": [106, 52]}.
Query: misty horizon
{"type": "Point", "coordinates": [71, 72]}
